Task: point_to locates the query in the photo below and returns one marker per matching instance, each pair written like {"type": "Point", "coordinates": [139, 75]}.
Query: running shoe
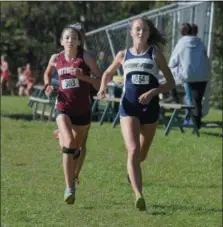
{"type": "Point", "coordinates": [140, 203]}
{"type": "Point", "coordinates": [69, 196]}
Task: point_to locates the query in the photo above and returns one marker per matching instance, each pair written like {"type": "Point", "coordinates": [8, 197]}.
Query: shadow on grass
{"type": "Point", "coordinates": [176, 207]}
{"type": "Point", "coordinates": [212, 186]}
{"type": "Point", "coordinates": [88, 207]}
{"type": "Point", "coordinates": [205, 124]}
{"type": "Point", "coordinates": [123, 206]}
{"type": "Point", "coordinates": [163, 209]}
{"type": "Point", "coordinates": [212, 124]}
{"type": "Point", "coordinates": [20, 165]}
{"type": "Point", "coordinates": [27, 117]}
{"type": "Point", "coordinates": [155, 213]}
{"type": "Point", "coordinates": [213, 134]}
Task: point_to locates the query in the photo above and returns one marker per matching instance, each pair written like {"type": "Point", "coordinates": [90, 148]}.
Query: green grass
{"type": "Point", "coordinates": [182, 177]}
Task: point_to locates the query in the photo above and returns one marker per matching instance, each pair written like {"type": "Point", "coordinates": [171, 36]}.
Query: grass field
{"type": "Point", "coordinates": [182, 177]}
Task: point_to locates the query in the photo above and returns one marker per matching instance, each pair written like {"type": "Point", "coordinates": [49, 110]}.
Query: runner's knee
{"type": "Point", "coordinates": [73, 151]}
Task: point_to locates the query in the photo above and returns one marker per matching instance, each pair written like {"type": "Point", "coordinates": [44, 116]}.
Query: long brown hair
{"type": "Point", "coordinates": [155, 37]}
{"type": "Point", "coordinates": [80, 49]}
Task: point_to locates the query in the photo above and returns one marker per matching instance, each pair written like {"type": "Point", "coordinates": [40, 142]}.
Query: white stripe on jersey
{"type": "Point", "coordinates": [139, 70]}
{"type": "Point", "coordinates": [137, 65]}
{"type": "Point", "coordinates": [139, 60]}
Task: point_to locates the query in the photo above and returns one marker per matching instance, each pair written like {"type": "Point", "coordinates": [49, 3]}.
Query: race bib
{"type": "Point", "coordinates": [70, 83]}
{"type": "Point", "coordinates": [140, 79]}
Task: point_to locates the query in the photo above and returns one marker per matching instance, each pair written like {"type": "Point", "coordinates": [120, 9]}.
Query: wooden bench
{"type": "Point", "coordinates": [40, 102]}
{"type": "Point", "coordinates": [174, 120]}
{"type": "Point", "coordinates": [108, 106]}
{"type": "Point", "coordinates": [37, 92]}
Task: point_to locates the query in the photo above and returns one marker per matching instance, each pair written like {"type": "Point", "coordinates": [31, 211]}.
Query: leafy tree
{"type": "Point", "coordinates": [30, 31]}
{"type": "Point", "coordinates": [217, 68]}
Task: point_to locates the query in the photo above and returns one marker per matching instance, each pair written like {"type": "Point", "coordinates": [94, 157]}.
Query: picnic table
{"type": "Point", "coordinates": [42, 105]}
{"type": "Point", "coordinates": [174, 120]}
{"type": "Point", "coordinates": [39, 102]}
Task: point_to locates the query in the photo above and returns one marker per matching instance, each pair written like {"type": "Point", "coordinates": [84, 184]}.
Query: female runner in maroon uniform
{"type": "Point", "coordinates": [5, 75]}
{"type": "Point", "coordinates": [95, 71]}
{"type": "Point", "coordinates": [73, 109]}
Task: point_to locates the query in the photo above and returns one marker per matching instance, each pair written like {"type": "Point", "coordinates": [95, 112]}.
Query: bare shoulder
{"type": "Point", "coordinates": [158, 54]}
{"type": "Point", "coordinates": [120, 56]}
{"type": "Point", "coordinates": [53, 59]}
{"type": "Point", "coordinates": [121, 53]}
{"type": "Point", "coordinates": [54, 56]}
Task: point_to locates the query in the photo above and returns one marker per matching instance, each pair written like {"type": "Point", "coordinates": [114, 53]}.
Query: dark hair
{"type": "Point", "coordinates": [185, 29]}
{"type": "Point", "coordinates": [155, 37]}
{"type": "Point", "coordinates": [80, 49]}
{"type": "Point", "coordinates": [80, 28]}
{"type": "Point", "coordinates": [194, 29]}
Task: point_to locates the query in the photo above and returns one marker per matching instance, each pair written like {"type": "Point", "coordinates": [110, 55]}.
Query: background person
{"type": "Point", "coordinates": [5, 75]}
{"type": "Point", "coordinates": [21, 84]}
{"type": "Point", "coordinates": [190, 58]}
{"type": "Point", "coordinates": [29, 79]}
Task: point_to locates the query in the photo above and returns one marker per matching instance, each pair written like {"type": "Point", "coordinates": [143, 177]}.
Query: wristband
{"type": "Point", "coordinates": [45, 86]}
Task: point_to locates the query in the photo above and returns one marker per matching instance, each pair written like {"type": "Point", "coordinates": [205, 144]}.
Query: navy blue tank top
{"type": "Point", "coordinates": [140, 75]}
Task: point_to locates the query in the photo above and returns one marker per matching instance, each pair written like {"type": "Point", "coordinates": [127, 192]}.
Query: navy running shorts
{"type": "Point", "coordinates": [147, 114]}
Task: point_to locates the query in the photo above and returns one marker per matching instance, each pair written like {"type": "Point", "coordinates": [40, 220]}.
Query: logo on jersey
{"type": "Point", "coordinates": [65, 70]}
{"type": "Point", "coordinates": [70, 83]}
{"type": "Point", "coordinates": [140, 79]}
{"type": "Point", "coordinates": [145, 65]}
{"type": "Point", "coordinates": [138, 65]}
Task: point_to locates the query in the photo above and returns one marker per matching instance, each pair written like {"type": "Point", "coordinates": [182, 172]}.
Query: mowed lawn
{"type": "Point", "coordinates": [182, 176]}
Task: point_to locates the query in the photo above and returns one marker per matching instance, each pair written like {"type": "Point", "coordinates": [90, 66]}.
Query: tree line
{"type": "Point", "coordinates": [30, 31]}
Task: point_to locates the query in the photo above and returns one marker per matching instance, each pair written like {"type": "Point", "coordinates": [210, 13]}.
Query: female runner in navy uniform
{"type": "Point", "coordinates": [73, 109]}
{"type": "Point", "coordinates": [139, 106]}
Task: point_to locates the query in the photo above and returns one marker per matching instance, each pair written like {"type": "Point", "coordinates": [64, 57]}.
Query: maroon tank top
{"type": "Point", "coordinates": [73, 93]}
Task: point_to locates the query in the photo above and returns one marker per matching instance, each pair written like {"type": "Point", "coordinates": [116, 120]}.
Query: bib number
{"type": "Point", "coordinates": [70, 83]}
{"type": "Point", "coordinates": [140, 79]}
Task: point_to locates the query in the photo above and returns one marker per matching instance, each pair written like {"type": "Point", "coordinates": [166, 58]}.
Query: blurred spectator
{"type": "Point", "coordinates": [206, 98]}
{"type": "Point", "coordinates": [101, 62]}
{"type": "Point", "coordinates": [21, 84]}
{"type": "Point", "coordinates": [29, 79]}
{"type": "Point", "coordinates": [190, 62]}
{"type": "Point", "coordinates": [5, 75]}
